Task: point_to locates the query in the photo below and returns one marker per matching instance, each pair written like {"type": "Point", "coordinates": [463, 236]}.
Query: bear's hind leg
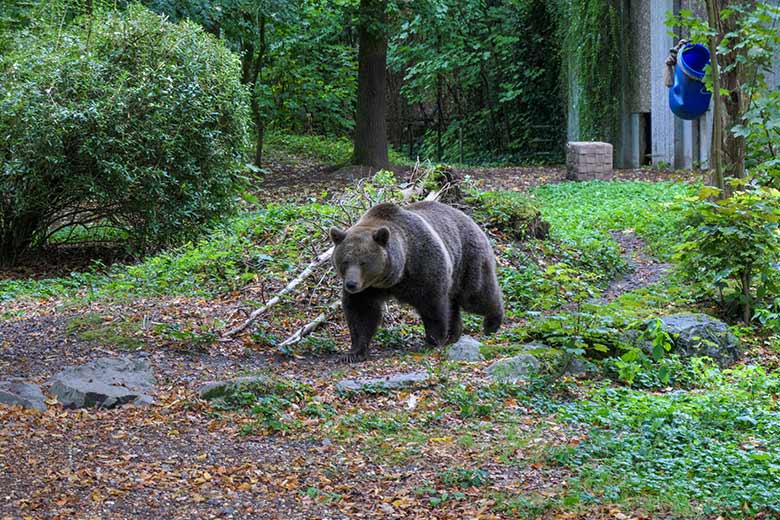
{"type": "Point", "coordinates": [456, 323]}
{"type": "Point", "coordinates": [364, 315]}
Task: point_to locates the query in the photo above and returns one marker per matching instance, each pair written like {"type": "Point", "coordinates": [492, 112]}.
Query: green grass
{"type": "Point", "coordinates": [585, 211]}
{"type": "Point", "coordinates": [326, 150]}
{"type": "Point", "coordinates": [711, 451]}
{"type": "Point", "coordinates": [121, 333]}
{"type": "Point", "coordinates": [270, 241]}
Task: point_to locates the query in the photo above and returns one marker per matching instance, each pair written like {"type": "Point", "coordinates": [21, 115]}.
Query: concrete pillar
{"type": "Point", "coordinates": [705, 138]}
{"type": "Point", "coordinates": [662, 119]}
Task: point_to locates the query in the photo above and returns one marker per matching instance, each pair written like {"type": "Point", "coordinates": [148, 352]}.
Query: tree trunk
{"type": "Point", "coordinates": [259, 129]}
{"type": "Point", "coordinates": [732, 78]}
{"type": "Point", "coordinates": [371, 126]}
{"type": "Point", "coordinates": [747, 310]}
{"type": "Point", "coordinates": [252, 61]}
{"type": "Point", "coordinates": [716, 155]}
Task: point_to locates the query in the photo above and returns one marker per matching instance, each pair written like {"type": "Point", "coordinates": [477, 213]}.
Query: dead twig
{"type": "Point", "coordinates": [317, 262]}
{"type": "Point", "coordinates": [307, 329]}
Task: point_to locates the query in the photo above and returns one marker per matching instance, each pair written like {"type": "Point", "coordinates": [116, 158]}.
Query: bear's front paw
{"type": "Point", "coordinates": [354, 357]}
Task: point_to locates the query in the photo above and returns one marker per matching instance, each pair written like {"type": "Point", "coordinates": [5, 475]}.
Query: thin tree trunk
{"type": "Point", "coordinates": [747, 310]}
{"type": "Point", "coordinates": [716, 156]}
{"type": "Point", "coordinates": [731, 77]}
{"type": "Point", "coordinates": [259, 130]}
{"type": "Point", "coordinates": [371, 126]}
{"type": "Point", "coordinates": [252, 63]}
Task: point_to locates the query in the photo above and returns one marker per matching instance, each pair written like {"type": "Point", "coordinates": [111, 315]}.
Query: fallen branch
{"type": "Point", "coordinates": [307, 329]}
{"type": "Point", "coordinates": [317, 262]}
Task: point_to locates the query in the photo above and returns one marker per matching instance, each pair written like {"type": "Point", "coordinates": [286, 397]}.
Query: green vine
{"type": "Point", "coordinates": [590, 31]}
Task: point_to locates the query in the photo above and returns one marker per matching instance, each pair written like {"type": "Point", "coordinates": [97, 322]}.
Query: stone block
{"type": "Point", "coordinates": [588, 160]}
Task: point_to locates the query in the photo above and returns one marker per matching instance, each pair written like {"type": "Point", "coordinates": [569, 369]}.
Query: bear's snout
{"type": "Point", "coordinates": [353, 279]}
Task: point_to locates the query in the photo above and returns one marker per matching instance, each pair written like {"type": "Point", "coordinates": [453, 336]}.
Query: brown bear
{"type": "Point", "coordinates": [428, 255]}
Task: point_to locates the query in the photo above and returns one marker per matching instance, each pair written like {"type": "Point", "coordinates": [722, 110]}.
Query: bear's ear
{"type": "Point", "coordinates": [337, 235]}
{"type": "Point", "coordinates": [381, 236]}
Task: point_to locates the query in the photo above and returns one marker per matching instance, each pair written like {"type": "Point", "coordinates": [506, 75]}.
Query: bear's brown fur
{"type": "Point", "coordinates": [428, 255]}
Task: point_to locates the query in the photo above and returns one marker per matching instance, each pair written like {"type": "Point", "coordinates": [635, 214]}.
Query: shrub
{"type": "Point", "coordinates": [136, 124]}
{"type": "Point", "coordinates": [733, 245]}
{"type": "Point", "coordinates": [511, 212]}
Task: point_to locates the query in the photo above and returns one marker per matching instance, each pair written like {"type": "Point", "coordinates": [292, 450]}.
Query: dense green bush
{"type": "Point", "coordinates": [130, 122]}
{"type": "Point", "coordinates": [733, 245]}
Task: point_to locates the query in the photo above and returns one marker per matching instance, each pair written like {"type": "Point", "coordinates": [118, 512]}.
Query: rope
{"type": "Point", "coordinates": [671, 61]}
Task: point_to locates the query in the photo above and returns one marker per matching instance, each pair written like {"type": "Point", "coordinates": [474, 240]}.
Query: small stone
{"type": "Point", "coordinates": [465, 349]}
{"type": "Point", "coordinates": [105, 383]}
{"type": "Point", "coordinates": [16, 392]}
{"type": "Point", "coordinates": [514, 368]}
{"type": "Point", "coordinates": [391, 382]}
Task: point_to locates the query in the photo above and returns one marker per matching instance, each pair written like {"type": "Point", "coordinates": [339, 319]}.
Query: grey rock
{"type": "Point", "coordinates": [16, 392]}
{"type": "Point", "coordinates": [105, 383]}
{"type": "Point", "coordinates": [514, 368]}
{"type": "Point", "coordinates": [694, 335]}
{"type": "Point", "coordinates": [577, 367]}
{"type": "Point", "coordinates": [391, 382]}
{"type": "Point", "coordinates": [465, 349]}
{"type": "Point", "coordinates": [219, 389]}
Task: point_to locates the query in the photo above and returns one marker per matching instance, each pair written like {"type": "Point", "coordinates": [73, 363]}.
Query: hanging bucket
{"type": "Point", "coordinates": [689, 98]}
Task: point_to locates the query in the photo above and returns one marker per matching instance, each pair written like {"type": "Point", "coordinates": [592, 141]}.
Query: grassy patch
{"type": "Point", "coordinates": [270, 241]}
{"type": "Point", "coordinates": [716, 447]}
{"type": "Point", "coordinates": [106, 330]}
{"type": "Point", "coordinates": [584, 211]}
{"type": "Point", "coordinates": [271, 402]}
{"type": "Point", "coordinates": [322, 149]}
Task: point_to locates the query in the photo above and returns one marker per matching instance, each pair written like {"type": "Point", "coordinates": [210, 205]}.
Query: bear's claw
{"type": "Point", "coordinates": [353, 357]}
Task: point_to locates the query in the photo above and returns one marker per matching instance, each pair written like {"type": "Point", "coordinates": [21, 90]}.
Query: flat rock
{"type": "Point", "coordinates": [15, 392]}
{"type": "Point", "coordinates": [219, 389]}
{"type": "Point", "coordinates": [104, 383]}
{"type": "Point", "coordinates": [514, 368]}
{"type": "Point", "coordinates": [391, 382]}
{"type": "Point", "coordinates": [465, 349]}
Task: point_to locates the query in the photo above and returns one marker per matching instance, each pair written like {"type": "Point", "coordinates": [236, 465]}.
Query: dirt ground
{"type": "Point", "coordinates": [178, 459]}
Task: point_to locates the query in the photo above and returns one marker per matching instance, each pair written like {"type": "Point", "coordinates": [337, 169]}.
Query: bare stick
{"type": "Point", "coordinates": [307, 329]}
{"type": "Point", "coordinates": [317, 262]}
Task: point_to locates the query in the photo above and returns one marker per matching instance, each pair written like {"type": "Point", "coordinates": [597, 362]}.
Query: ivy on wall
{"type": "Point", "coordinates": [592, 42]}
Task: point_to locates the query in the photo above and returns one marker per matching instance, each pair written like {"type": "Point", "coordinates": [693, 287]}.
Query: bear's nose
{"type": "Point", "coordinates": [351, 285]}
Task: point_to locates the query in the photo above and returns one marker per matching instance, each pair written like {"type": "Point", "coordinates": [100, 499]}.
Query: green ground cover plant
{"type": "Point", "coordinates": [705, 451]}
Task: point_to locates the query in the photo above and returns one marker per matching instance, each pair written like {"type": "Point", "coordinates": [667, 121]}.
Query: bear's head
{"type": "Point", "coordinates": [361, 256]}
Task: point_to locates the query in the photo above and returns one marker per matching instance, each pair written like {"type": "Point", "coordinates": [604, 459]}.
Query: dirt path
{"type": "Point", "coordinates": [645, 270]}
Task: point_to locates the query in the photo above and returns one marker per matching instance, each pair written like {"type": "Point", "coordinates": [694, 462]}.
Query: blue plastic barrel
{"type": "Point", "coordinates": [689, 98]}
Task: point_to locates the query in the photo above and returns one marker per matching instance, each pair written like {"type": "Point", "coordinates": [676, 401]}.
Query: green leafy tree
{"type": "Point", "coordinates": [486, 74]}
{"type": "Point", "coordinates": [245, 25]}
